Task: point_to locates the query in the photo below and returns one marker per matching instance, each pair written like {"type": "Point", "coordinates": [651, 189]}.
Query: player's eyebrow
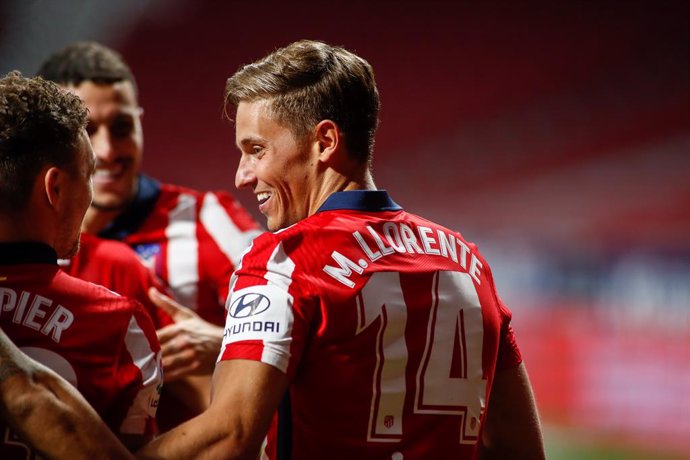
{"type": "Point", "coordinates": [249, 141]}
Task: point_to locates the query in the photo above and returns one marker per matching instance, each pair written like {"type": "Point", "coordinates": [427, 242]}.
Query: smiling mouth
{"type": "Point", "coordinates": [111, 171]}
{"type": "Point", "coordinates": [263, 197]}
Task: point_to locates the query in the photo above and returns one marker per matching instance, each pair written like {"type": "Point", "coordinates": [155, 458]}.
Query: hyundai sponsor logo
{"type": "Point", "coordinates": [249, 304]}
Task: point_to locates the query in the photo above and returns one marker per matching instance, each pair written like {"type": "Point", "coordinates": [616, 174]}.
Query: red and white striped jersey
{"type": "Point", "coordinates": [387, 325]}
{"type": "Point", "coordinates": [116, 266]}
{"type": "Point", "coordinates": [193, 240]}
{"type": "Point", "coordinates": [102, 343]}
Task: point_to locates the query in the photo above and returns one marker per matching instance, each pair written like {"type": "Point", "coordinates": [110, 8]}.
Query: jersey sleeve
{"type": "Point", "coordinates": [268, 316]}
{"type": "Point", "coordinates": [140, 375]}
{"type": "Point", "coordinates": [508, 351]}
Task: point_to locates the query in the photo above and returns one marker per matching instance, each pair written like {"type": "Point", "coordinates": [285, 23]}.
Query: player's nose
{"type": "Point", "coordinates": [103, 145]}
{"type": "Point", "coordinates": [245, 177]}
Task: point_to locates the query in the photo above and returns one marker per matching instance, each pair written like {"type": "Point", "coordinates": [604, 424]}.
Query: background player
{"type": "Point", "coordinates": [384, 329]}
{"type": "Point", "coordinates": [192, 240]}
{"type": "Point", "coordinates": [102, 343]}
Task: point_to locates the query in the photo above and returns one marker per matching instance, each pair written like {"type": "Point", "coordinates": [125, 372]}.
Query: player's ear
{"type": "Point", "coordinates": [328, 139]}
{"type": "Point", "coordinates": [53, 186]}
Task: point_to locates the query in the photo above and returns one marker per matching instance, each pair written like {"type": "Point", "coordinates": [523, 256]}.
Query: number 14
{"type": "Point", "coordinates": [449, 379]}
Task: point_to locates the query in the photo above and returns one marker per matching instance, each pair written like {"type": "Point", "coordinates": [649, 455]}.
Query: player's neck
{"type": "Point", "coordinates": [26, 226]}
{"type": "Point", "coordinates": [333, 181]}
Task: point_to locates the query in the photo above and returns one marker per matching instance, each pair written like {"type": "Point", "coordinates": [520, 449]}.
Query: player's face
{"type": "Point", "coordinates": [279, 170]}
{"type": "Point", "coordinates": [116, 135]}
{"type": "Point", "coordinates": [79, 193]}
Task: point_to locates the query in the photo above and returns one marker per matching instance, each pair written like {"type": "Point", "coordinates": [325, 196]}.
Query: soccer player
{"type": "Point", "coordinates": [381, 332]}
{"type": "Point", "coordinates": [49, 413]}
{"type": "Point", "coordinates": [102, 343]}
{"type": "Point", "coordinates": [193, 240]}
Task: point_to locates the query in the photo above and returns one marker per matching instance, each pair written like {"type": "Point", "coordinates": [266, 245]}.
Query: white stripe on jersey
{"type": "Point", "coordinates": [229, 238]}
{"type": "Point", "coordinates": [233, 277]}
{"type": "Point", "coordinates": [144, 406]}
{"type": "Point", "coordinates": [183, 251]}
{"type": "Point", "coordinates": [279, 268]}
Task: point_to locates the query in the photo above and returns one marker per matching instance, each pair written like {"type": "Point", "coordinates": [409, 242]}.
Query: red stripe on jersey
{"type": "Point", "coordinates": [249, 349]}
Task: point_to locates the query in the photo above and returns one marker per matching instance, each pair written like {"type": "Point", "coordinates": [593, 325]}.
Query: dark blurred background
{"type": "Point", "coordinates": [556, 135]}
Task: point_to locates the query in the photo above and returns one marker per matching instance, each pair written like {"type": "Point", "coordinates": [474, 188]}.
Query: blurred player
{"type": "Point", "coordinates": [102, 343]}
{"type": "Point", "coordinates": [192, 240]}
{"type": "Point", "coordinates": [380, 332]}
{"type": "Point", "coordinates": [49, 413]}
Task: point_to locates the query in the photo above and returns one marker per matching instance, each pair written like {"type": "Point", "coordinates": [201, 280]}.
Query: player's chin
{"type": "Point", "coordinates": [70, 249]}
{"type": "Point", "coordinates": [109, 202]}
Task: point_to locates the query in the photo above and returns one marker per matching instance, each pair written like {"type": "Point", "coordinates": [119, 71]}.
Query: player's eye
{"type": "Point", "coordinates": [91, 129]}
{"type": "Point", "coordinates": [122, 127]}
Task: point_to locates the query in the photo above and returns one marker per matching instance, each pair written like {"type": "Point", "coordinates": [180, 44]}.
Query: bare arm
{"type": "Point", "coordinates": [49, 413]}
{"type": "Point", "coordinates": [512, 429]}
{"type": "Point", "coordinates": [245, 396]}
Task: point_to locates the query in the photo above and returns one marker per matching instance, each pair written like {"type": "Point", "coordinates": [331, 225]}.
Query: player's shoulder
{"type": "Point", "coordinates": [424, 222]}
{"type": "Point", "coordinates": [103, 249]}
{"type": "Point", "coordinates": [89, 296]}
{"type": "Point", "coordinates": [303, 237]}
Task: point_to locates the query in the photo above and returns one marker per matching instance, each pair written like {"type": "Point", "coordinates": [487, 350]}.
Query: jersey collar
{"type": "Point", "coordinates": [27, 252]}
{"type": "Point", "coordinates": [360, 200]}
{"type": "Point", "coordinates": [136, 213]}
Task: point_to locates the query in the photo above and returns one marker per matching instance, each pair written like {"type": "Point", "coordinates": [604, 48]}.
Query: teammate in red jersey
{"type": "Point", "coordinates": [380, 332]}
{"type": "Point", "coordinates": [193, 240]}
{"type": "Point", "coordinates": [102, 343]}
{"type": "Point", "coordinates": [116, 266]}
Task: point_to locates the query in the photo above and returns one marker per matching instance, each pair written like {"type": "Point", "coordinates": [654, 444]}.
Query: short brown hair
{"type": "Point", "coordinates": [309, 81]}
{"type": "Point", "coordinates": [86, 61]}
{"type": "Point", "coordinates": [40, 124]}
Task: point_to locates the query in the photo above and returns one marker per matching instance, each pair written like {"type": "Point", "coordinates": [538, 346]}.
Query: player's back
{"type": "Point", "coordinates": [102, 343]}
{"type": "Point", "coordinates": [395, 330]}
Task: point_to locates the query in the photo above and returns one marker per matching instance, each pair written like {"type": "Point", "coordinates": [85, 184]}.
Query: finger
{"type": "Point", "coordinates": [176, 310]}
{"type": "Point", "coordinates": [169, 348]}
{"type": "Point", "coordinates": [178, 373]}
{"type": "Point", "coordinates": [167, 333]}
{"type": "Point", "coordinates": [180, 365]}
{"type": "Point", "coordinates": [177, 360]}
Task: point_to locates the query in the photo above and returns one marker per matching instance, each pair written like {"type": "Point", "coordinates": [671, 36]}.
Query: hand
{"type": "Point", "coordinates": [191, 345]}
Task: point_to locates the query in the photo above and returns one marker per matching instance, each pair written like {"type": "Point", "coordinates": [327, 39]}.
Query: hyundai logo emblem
{"type": "Point", "coordinates": [249, 305]}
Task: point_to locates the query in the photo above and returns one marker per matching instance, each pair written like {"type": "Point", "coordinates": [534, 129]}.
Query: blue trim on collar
{"type": "Point", "coordinates": [137, 211]}
{"type": "Point", "coordinates": [360, 200]}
